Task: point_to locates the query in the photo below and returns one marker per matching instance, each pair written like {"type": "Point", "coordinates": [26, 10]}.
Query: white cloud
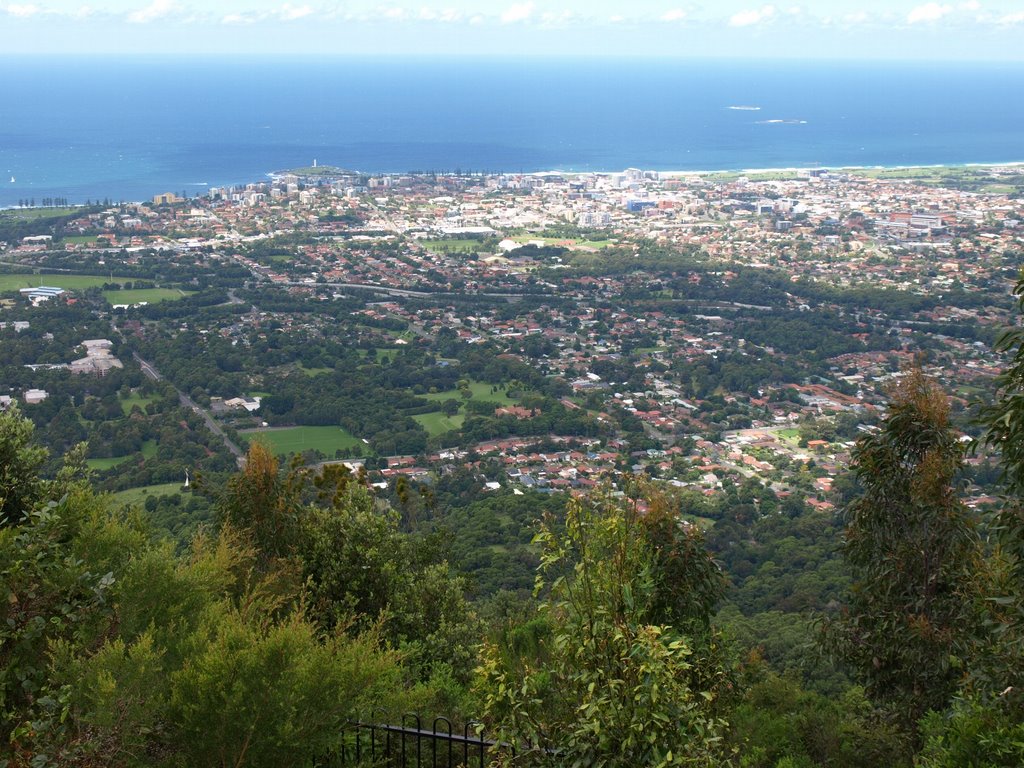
{"type": "Point", "coordinates": [752, 17]}
{"type": "Point", "coordinates": [556, 19]}
{"type": "Point", "coordinates": [927, 13]}
{"type": "Point", "coordinates": [237, 18]}
{"type": "Point", "coordinates": [676, 14]}
{"type": "Point", "coordinates": [1012, 19]}
{"type": "Point", "coordinates": [856, 18]}
{"type": "Point", "coordinates": [970, 5]}
{"type": "Point", "coordinates": [158, 9]}
{"type": "Point", "coordinates": [22, 11]}
{"type": "Point", "coordinates": [447, 16]}
{"type": "Point", "coordinates": [289, 12]}
{"type": "Point", "coordinates": [518, 12]}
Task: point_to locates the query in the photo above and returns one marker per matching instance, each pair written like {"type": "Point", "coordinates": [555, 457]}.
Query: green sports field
{"type": "Point", "coordinates": [148, 295]}
{"type": "Point", "coordinates": [67, 282]}
{"type": "Point", "coordinates": [437, 423]}
{"type": "Point", "coordinates": [288, 440]}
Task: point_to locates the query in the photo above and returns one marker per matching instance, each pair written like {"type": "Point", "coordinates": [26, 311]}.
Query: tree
{"type": "Point", "coordinates": [21, 487]}
{"type": "Point", "coordinates": [361, 572]}
{"type": "Point", "coordinates": [985, 727]}
{"type": "Point", "coordinates": [602, 680]}
{"type": "Point", "coordinates": [910, 543]}
{"type": "Point", "coordinates": [263, 503]}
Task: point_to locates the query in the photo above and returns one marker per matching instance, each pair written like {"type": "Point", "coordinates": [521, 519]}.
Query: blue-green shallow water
{"type": "Point", "coordinates": [129, 128]}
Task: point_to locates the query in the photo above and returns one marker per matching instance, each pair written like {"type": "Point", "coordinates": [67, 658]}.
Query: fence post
{"type": "Point", "coordinates": [433, 741]}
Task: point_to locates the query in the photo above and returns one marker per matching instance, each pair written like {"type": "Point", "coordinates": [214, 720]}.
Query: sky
{"type": "Point", "coordinates": [984, 30]}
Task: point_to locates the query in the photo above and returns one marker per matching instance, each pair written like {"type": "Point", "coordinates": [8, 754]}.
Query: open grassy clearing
{"type": "Point", "coordinates": [67, 282]}
{"type": "Point", "coordinates": [109, 463]}
{"type": "Point", "coordinates": [139, 495]}
{"type": "Point", "coordinates": [136, 399]}
{"type": "Point", "coordinates": [379, 352]}
{"type": "Point", "coordinates": [922, 173]}
{"type": "Point", "coordinates": [287, 440]}
{"type": "Point", "coordinates": [437, 423]}
{"type": "Point", "coordinates": [780, 175]}
{"type": "Point", "coordinates": [480, 391]}
{"type": "Point", "coordinates": [31, 214]}
{"type": "Point", "coordinates": [314, 371]}
{"type": "Point", "coordinates": [148, 451]}
{"type": "Point", "coordinates": [999, 189]}
{"type": "Point", "coordinates": [148, 295]}
{"type": "Point", "coordinates": [564, 242]}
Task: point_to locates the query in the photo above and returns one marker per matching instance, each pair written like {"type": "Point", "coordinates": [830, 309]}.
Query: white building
{"type": "Point", "coordinates": [33, 396]}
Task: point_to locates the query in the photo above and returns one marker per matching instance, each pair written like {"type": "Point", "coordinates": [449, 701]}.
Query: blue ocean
{"type": "Point", "coordinates": [128, 128]}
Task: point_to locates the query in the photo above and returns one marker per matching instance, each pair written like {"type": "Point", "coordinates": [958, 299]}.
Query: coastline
{"type": "Point", "coordinates": [663, 174]}
{"type": "Point", "coordinates": [797, 169]}
{"type": "Point", "coordinates": [672, 173]}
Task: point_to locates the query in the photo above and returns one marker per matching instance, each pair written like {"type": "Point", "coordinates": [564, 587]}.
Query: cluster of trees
{"type": "Point", "coordinates": [255, 646]}
{"type": "Point", "coordinates": [305, 603]}
{"type": "Point", "coordinates": [189, 270]}
{"type": "Point", "coordinates": [46, 202]}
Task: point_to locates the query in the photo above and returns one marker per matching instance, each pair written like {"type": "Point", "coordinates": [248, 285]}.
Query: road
{"type": "Point", "coordinates": [188, 402]}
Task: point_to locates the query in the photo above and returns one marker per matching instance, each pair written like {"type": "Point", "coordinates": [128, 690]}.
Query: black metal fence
{"type": "Point", "coordinates": [410, 745]}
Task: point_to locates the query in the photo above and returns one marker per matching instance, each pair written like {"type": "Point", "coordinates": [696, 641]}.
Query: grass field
{"type": "Point", "coordinates": [80, 239]}
{"type": "Point", "coordinates": [102, 464]}
{"type": "Point", "coordinates": [564, 242]}
{"type": "Point", "coordinates": [67, 282]}
{"type": "Point", "coordinates": [437, 423]}
{"type": "Point", "coordinates": [480, 391]}
{"type": "Point", "coordinates": [314, 371]}
{"type": "Point", "coordinates": [381, 352]}
{"type": "Point", "coordinates": [288, 440]}
{"type": "Point", "coordinates": [148, 451]}
{"type": "Point", "coordinates": [30, 214]}
{"type": "Point", "coordinates": [781, 175]}
{"type": "Point", "coordinates": [998, 189]}
{"type": "Point", "coordinates": [135, 399]}
{"type": "Point", "coordinates": [148, 295]}
{"type": "Point", "coordinates": [933, 173]}
{"type": "Point", "coordinates": [139, 495]}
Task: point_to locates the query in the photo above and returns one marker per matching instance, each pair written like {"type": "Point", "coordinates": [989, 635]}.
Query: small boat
{"type": "Point", "coordinates": [12, 179]}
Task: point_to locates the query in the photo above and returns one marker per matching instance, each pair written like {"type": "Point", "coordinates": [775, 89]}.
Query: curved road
{"type": "Point", "coordinates": [188, 402]}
